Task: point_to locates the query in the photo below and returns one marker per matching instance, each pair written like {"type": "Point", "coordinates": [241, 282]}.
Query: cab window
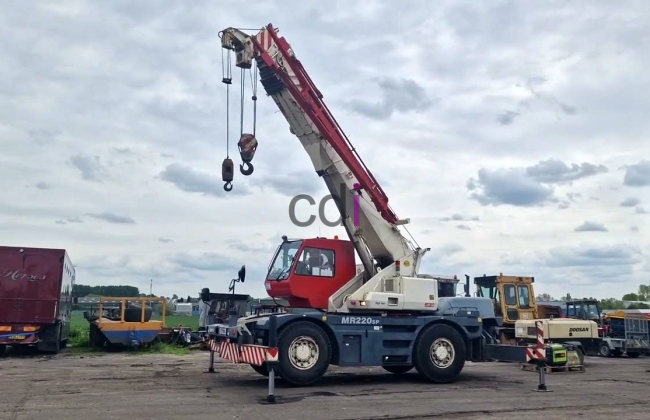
{"type": "Point", "coordinates": [316, 262]}
{"type": "Point", "coordinates": [524, 297]}
{"type": "Point", "coordinates": [510, 295]}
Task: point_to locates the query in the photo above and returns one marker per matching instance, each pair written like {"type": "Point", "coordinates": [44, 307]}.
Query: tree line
{"type": "Point", "coordinates": [641, 296]}
{"type": "Point", "coordinates": [82, 290]}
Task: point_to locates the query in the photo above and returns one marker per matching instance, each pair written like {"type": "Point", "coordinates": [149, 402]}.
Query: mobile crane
{"type": "Point", "coordinates": [387, 314]}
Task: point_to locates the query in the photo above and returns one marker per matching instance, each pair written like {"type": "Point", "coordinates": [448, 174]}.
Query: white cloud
{"type": "Point", "coordinates": [112, 120]}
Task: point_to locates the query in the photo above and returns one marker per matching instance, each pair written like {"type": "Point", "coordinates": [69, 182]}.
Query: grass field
{"type": "Point", "coordinates": [79, 334]}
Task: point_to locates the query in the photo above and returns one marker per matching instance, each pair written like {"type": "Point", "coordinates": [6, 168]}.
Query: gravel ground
{"type": "Point", "coordinates": [120, 386]}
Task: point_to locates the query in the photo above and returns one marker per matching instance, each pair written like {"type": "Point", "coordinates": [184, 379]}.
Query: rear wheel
{"type": "Point", "coordinates": [51, 341]}
{"type": "Point", "coordinates": [398, 370]}
{"type": "Point", "coordinates": [305, 353]}
{"type": "Point", "coordinates": [439, 353]}
{"type": "Point", "coordinates": [604, 350]}
{"type": "Point", "coordinates": [3, 349]}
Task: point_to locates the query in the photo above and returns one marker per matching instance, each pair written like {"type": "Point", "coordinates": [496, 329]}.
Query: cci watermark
{"type": "Point", "coordinates": [354, 210]}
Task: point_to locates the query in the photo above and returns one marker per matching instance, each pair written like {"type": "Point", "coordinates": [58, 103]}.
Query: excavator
{"type": "Point", "coordinates": [514, 302]}
{"type": "Point", "coordinates": [386, 314]}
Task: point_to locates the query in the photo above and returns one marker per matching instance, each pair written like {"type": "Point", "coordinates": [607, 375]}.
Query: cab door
{"type": "Point", "coordinates": [518, 302]}
{"type": "Point", "coordinates": [508, 294]}
{"type": "Point", "coordinates": [525, 302]}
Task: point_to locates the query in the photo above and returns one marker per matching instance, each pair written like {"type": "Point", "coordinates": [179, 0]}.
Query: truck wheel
{"type": "Point", "coordinates": [397, 370]}
{"type": "Point", "coordinates": [604, 350]}
{"type": "Point", "coordinates": [305, 353]}
{"type": "Point", "coordinates": [55, 346]}
{"type": "Point", "coordinates": [51, 342]}
{"type": "Point", "coordinates": [3, 349]}
{"type": "Point", "coordinates": [632, 355]}
{"type": "Point", "coordinates": [439, 353]}
{"type": "Point", "coordinates": [262, 370]}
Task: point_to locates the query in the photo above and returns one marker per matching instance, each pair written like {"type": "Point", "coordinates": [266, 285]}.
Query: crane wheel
{"type": "Point", "coordinates": [439, 353]}
{"type": "Point", "coordinates": [262, 370]}
{"type": "Point", "coordinates": [305, 353]}
{"type": "Point", "coordinates": [398, 370]}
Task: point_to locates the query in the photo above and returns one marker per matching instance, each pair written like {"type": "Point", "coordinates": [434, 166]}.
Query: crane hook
{"type": "Point", "coordinates": [246, 168]}
{"type": "Point", "coordinates": [247, 146]}
{"type": "Point", "coordinates": [227, 173]}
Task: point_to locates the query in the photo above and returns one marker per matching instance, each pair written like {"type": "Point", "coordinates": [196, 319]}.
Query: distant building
{"type": "Point", "coordinates": [187, 309]}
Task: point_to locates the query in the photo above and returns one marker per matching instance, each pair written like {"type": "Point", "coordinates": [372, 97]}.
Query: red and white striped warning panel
{"type": "Point", "coordinates": [244, 353]}
{"type": "Point", "coordinates": [533, 353]}
{"type": "Point", "coordinates": [255, 355]}
{"type": "Point", "coordinates": [265, 40]}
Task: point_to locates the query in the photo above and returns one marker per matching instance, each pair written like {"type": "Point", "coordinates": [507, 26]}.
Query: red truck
{"type": "Point", "coordinates": [35, 297]}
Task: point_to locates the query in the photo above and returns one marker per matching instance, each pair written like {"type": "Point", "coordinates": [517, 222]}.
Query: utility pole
{"type": "Point", "coordinates": [150, 287]}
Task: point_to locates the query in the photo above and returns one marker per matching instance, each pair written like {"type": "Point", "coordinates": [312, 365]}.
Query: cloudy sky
{"type": "Point", "coordinates": [514, 135]}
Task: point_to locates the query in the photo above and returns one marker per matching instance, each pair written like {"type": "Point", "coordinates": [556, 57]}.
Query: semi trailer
{"type": "Point", "coordinates": [35, 297]}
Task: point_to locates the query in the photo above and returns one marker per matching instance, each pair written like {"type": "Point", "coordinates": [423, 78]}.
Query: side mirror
{"type": "Point", "coordinates": [242, 273]}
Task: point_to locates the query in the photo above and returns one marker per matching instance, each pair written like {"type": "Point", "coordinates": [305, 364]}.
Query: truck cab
{"type": "Point", "coordinates": [583, 309]}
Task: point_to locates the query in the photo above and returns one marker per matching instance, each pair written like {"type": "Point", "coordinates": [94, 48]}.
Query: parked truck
{"type": "Point", "coordinates": [35, 298]}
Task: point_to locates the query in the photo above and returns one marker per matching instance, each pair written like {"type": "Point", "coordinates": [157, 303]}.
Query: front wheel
{"type": "Point", "coordinates": [439, 353]}
{"type": "Point", "coordinates": [305, 353]}
{"type": "Point", "coordinates": [398, 370]}
{"type": "Point", "coordinates": [604, 350]}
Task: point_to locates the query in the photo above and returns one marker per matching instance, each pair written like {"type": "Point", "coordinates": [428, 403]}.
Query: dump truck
{"type": "Point", "coordinates": [35, 297]}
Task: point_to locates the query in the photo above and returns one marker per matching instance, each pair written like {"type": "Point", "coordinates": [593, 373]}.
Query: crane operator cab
{"type": "Point", "coordinates": [512, 296]}
{"type": "Point", "coordinates": [306, 272]}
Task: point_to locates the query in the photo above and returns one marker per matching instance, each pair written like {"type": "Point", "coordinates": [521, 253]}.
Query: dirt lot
{"type": "Point", "coordinates": [116, 386]}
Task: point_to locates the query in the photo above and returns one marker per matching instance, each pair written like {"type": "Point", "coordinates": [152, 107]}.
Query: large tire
{"type": "Point", "coordinates": [604, 350]}
{"type": "Point", "coordinates": [133, 313]}
{"type": "Point", "coordinates": [305, 353]}
{"type": "Point", "coordinates": [262, 370]}
{"type": "Point", "coordinates": [439, 353]}
{"type": "Point", "coordinates": [51, 341]}
{"type": "Point", "coordinates": [398, 370]}
{"type": "Point", "coordinates": [3, 349]}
